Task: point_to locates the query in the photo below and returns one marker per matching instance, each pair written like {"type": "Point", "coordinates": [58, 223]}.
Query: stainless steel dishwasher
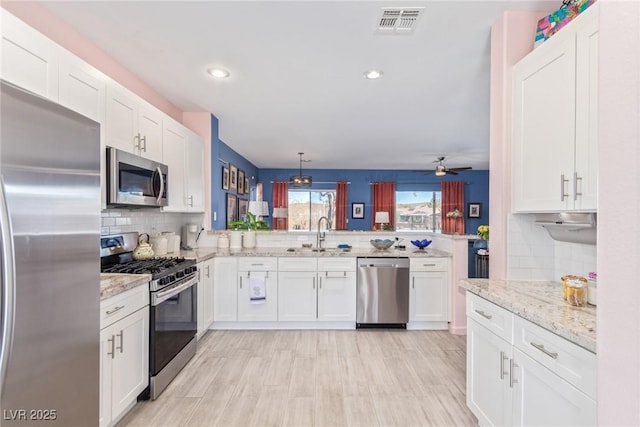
{"type": "Point", "coordinates": [383, 292]}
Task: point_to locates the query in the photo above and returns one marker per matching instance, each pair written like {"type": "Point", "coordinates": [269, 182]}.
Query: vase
{"type": "Point", "coordinates": [249, 239]}
{"type": "Point", "coordinates": [481, 244]}
{"type": "Point", "coordinates": [235, 240]}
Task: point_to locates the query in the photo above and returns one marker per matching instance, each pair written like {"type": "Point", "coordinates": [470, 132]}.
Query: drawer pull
{"type": "Point", "coordinates": [503, 357]}
{"type": "Point", "coordinates": [118, 308]}
{"type": "Point", "coordinates": [483, 314]}
{"type": "Point", "coordinates": [428, 265]}
{"type": "Point", "coordinates": [257, 265]}
{"type": "Point", "coordinates": [540, 347]}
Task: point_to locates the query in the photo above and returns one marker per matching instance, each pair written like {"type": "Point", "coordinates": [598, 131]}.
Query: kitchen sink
{"type": "Point", "coordinates": [329, 250]}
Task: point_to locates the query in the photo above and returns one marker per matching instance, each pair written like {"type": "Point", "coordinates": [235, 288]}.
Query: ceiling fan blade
{"type": "Point", "coordinates": [451, 172]}
{"type": "Point", "coordinates": [460, 169]}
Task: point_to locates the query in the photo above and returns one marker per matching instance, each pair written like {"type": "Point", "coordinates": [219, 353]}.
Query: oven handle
{"type": "Point", "coordinates": [159, 297]}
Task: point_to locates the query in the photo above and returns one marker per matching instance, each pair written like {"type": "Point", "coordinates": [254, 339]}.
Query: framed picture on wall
{"type": "Point", "coordinates": [232, 208]}
{"type": "Point", "coordinates": [246, 185]}
{"type": "Point", "coordinates": [240, 182]}
{"type": "Point", "coordinates": [233, 178]}
{"type": "Point", "coordinates": [243, 208]}
{"type": "Point", "coordinates": [225, 178]}
{"type": "Point", "coordinates": [473, 210]}
{"type": "Point", "coordinates": [357, 210]}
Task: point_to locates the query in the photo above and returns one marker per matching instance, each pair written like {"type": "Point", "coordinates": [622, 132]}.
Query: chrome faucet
{"type": "Point", "coordinates": [321, 235]}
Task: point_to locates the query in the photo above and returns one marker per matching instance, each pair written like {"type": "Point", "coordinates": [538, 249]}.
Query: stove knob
{"type": "Point", "coordinates": [179, 274]}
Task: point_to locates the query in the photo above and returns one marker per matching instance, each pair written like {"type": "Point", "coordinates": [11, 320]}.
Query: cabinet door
{"type": "Point", "coordinates": [82, 88]}
{"type": "Point", "coordinates": [195, 173]}
{"type": "Point", "coordinates": [488, 393]}
{"type": "Point", "coordinates": [430, 296]}
{"type": "Point", "coordinates": [150, 129]}
{"type": "Point", "coordinates": [122, 120]}
{"type": "Point", "coordinates": [337, 296]}
{"type": "Point", "coordinates": [174, 145]}
{"type": "Point", "coordinates": [225, 290]}
{"type": "Point", "coordinates": [297, 296]}
{"type": "Point", "coordinates": [207, 306]}
{"type": "Point", "coordinates": [106, 367]}
{"type": "Point", "coordinates": [586, 167]}
{"type": "Point", "coordinates": [543, 398]}
{"type": "Point", "coordinates": [131, 360]}
{"type": "Point", "coordinates": [29, 59]}
{"type": "Point", "coordinates": [265, 311]}
{"type": "Point", "coordinates": [544, 126]}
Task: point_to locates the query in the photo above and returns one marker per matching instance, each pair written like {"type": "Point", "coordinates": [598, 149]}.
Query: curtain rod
{"type": "Point", "coordinates": [319, 182]}
{"type": "Point", "coordinates": [419, 182]}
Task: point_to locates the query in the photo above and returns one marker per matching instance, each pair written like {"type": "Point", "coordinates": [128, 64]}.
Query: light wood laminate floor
{"type": "Point", "coordinates": [316, 378]}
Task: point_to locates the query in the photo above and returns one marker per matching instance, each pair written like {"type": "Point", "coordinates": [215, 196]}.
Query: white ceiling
{"type": "Point", "coordinates": [297, 75]}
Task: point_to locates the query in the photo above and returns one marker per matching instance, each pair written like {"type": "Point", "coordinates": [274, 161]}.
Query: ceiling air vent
{"type": "Point", "coordinates": [395, 20]}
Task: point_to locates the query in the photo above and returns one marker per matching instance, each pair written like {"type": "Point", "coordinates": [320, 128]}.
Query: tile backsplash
{"type": "Point", "coordinates": [145, 220]}
{"type": "Point", "coordinates": [534, 255]}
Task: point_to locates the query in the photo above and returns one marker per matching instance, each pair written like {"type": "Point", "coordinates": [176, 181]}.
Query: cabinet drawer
{"type": "Point", "coordinates": [571, 362]}
{"type": "Point", "coordinates": [298, 264]}
{"type": "Point", "coordinates": [429, 264]}
{"type": "Point", "coordinates": [258, 264]}
{"type": "Point", "coordinates": [496, 319]}
{"type": "Point", "coordinates": [122, 305]}
{"type": "Point", "coordinates": [336, 264]}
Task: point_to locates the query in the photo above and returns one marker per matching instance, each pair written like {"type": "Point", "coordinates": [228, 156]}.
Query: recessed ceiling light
{"type": "Point", "coordinates": [373, 74]}
{"type": "Point", "coordinates": [219, 73]}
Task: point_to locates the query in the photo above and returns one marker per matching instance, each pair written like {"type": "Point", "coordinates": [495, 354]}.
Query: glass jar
{"type": "Point", "coordinates": [576, 292]}
{"type": "Point", "coordinates": [565, 279]}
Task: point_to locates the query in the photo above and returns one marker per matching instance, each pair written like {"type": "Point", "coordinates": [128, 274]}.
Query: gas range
{"type": "Point", "coordinates": [116, 257]}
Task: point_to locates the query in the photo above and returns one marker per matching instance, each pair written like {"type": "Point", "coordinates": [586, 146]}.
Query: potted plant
{"type": "Point", "coordinates": [249, 225]}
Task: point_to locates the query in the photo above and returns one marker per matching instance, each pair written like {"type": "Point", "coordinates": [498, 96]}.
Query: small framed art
{"type": "Point", "coordinates": [232, 208]}
{"type": "Point", "coordinates": [240, 181]}
{"type": "Point", "coordinates": [357, 210]}
{"type": "Point", "coordinates": [246, 185]}
{"type": "Point", "coordinates": [225, 178]}
{"type": "Point", "coordinates": [233, 177]}
{"type": "Point", "coordinates": [473, 210]}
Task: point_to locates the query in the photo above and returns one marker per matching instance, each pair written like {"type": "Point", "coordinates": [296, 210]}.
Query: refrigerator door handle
{"type": "Point", "coordinates": [8, 285]}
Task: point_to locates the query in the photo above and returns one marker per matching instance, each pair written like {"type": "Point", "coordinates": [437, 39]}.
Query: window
{"type": "Point", "coordinates": [418, 210]}
{"type": "Point", "coordinates": [306, 207]}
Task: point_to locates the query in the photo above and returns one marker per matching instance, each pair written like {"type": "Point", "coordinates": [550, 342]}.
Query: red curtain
{"type": "Point", "coordinates": [452, 199]}
{"type": "Point", "coordinates": [341, 205]}
{"type": "Point", "coordinates": [280, 199]}
{"type": "Point", "coordinates": [384, 200]}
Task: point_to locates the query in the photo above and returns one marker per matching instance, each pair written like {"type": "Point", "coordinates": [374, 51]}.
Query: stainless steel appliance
{"type": "Point", "coordinates": [173, 314]}
{"type": "Point", "coordinates": [190, 235]}
{"type": "Point", "coordinates": [383, 292]}
{"type": "Point", "coordinates": [50, 290]}
{"type": "Point", "coordinates": [135, 181]}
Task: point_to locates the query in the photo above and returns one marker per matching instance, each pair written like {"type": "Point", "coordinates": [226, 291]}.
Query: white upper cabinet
{"type": "Point", "coordinates": [29, 59]}
{"type": "Point", "coordinates": [555, 121]}
{"type": "Point", "coordinates": [194, 173]}
{"type": "Point", "coordinates": [82, 88]}
{"type": "Point", "coordinates": [131, 125]}
{"type": "Point", "coordinates": [174, 145]}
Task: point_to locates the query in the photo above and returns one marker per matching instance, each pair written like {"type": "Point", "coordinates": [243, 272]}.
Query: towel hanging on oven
{"type": "Point", "coordinates": [257, 290]}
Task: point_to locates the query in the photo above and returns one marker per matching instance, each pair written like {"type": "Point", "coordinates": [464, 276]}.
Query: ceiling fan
{"type": "Point", "coordinates": [441, 170]}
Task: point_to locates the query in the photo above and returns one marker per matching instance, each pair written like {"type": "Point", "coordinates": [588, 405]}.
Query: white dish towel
{"type": "Point", "coordinates": [257, 290]}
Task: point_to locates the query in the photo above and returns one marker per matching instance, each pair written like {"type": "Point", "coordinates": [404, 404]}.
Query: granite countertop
{"type": "Point", "coordinates": [203, 254]}
{"type": "Point", "coordinates": [112, 284]}
{"type": "Point", "coordinates": [542, 304]}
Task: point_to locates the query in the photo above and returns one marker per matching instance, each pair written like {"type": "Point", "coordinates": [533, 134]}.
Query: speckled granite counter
{"type": "Point", "coordinates": [542, 304]}
{"type": "Point", "coordinates": [112, 284]}
{"type": "Point", "coordinates": [203, 254]}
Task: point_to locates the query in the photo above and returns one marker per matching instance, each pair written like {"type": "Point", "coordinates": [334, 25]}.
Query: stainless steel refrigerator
{"type": "Point", "coordinates": [49, 246]}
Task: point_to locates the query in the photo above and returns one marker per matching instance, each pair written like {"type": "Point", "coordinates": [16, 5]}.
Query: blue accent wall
{"type": "Point", "coordinates": [476, 190]}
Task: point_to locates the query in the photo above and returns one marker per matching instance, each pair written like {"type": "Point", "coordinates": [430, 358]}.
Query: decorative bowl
{"type": "Point", "coordinates": [382, 244]}
{"type": "Point", "coordinates": [421, 244]}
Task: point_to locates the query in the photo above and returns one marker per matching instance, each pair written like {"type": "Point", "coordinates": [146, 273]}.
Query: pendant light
{"type": "Point", "coordinates": [301, 180]}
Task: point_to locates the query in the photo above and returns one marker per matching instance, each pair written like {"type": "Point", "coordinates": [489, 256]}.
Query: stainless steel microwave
{"type": "Point", "coordinates": [135, 181]}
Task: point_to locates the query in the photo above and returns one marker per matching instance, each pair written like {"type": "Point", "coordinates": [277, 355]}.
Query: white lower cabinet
{"type": "Point", "coordinates": [257, 277]}
{"type": "Point", "coordinates": [225, 289]}
{"type": "Point", "coordinates": [430, 288]}
{"type": "Point", "coordinates": [205, 296]}
{"type": "Point", "coordinates": [297, 296]}
{"type": "Point", "coordinates": [124, 353]}
{"type": "Point", "coordinates": [337, 289]}
{"type": "Point", "coordinates": [510, 384]}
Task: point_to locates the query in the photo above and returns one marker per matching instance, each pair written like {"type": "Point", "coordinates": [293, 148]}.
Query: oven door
{"type": "Point", "coordinates": [174, 321]}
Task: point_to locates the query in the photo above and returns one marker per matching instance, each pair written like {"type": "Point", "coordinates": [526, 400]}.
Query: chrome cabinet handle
{"type": "Point", "coordinates": [562, 193]}
{"type": "Point", "coordinates": [190, 201]}
{"type": "Point", "coordinates": [540, 347]}
{"type": "Point", "coordinates": [208, 273]}
{"type": "Point", "coordinates": [483, 314]}
{"type": "Point", "coordinates": [136, 138]}
{"type": "Point", "coordinates": [240, 282]}
{"type": "Point", "coordinates": [512, 366]}
{"type": "Point", "coordinates": [576, 178]}
{"type": "Point", "coordinates": [118, 308]}
{"type": "Point", "coordinates": [143, 147]}
{"type": "Point", "coordinates": [121, 335]}
{"type": "Point", "coordinates": [112, 341]}
{"type": "Point", "coordinates": [428, 265]}
{"type": "Point", "coordinates": [503, 357]}
{"type": "Point", "coordinates": [413, 282]}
